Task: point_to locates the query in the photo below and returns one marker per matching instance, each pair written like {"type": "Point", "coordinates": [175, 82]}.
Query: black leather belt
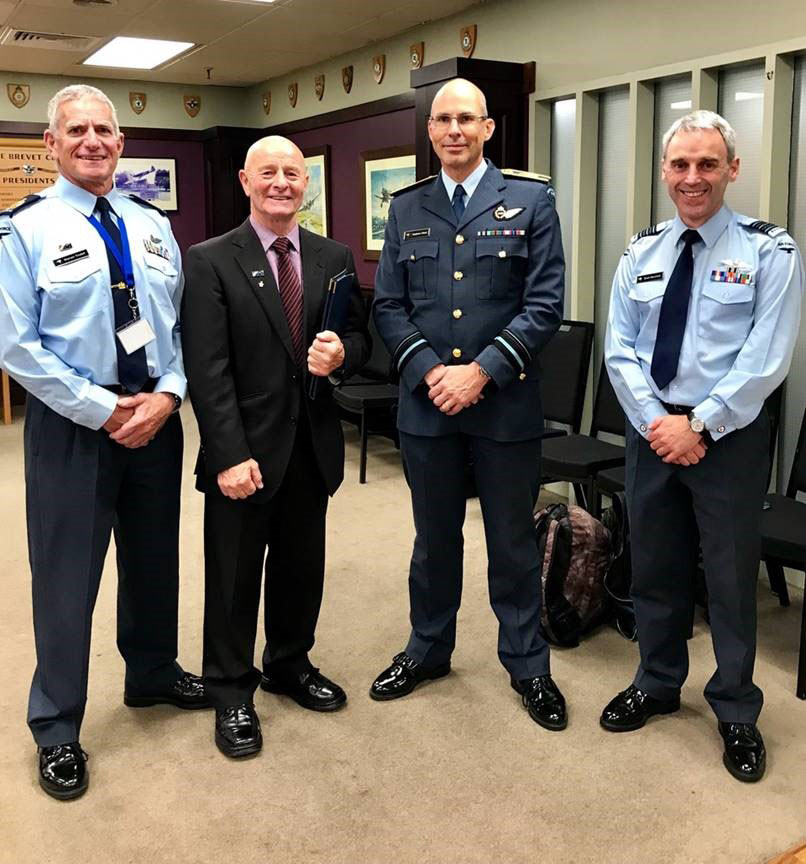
{"type": "Point", "coordinates": [119, 390]}
{"type": "Point", "coordinates": [671, 408]}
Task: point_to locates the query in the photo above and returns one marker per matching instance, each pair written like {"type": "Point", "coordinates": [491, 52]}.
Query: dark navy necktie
{"type": "Point", "coordinates": [290, 290]}
{"type": "Point", "coordinates": [458, 202]}
{"type": "Point", "coordinates": [132, 368]}
{"type": "Point", "coordinates": [673, 313]}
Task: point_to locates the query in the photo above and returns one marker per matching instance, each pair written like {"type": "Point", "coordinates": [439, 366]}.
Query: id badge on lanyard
{"type": "Point", "coordinates": [137, 333]}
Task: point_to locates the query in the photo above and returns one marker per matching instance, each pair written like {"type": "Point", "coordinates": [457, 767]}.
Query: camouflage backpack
{"type": "Point", "coordinates": [575, 555]}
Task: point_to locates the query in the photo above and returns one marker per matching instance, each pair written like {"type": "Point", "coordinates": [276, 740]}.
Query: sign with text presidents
{"type": "Point", "coordinates": [26, 168]}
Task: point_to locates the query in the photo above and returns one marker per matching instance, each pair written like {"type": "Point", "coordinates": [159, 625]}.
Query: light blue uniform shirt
{"type": "Point", "coordinates": [469, 184]}
{"type": "Point", "coordinates": [57, 327]}
{"type": "Point", "coordinates": [741, 328]}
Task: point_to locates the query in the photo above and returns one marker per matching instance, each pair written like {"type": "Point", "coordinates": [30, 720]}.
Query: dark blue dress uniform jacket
{"type": "Point", "coordinates": [488, 288]}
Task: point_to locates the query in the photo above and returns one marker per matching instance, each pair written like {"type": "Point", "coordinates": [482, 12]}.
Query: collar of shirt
{"type": "Point", "coordinates": [267, 237]}
{"type": "Point", "coordinates": [710, 231]}
{"type": "Point", "coordinates": [82, 200]}
{"type": "Point", "coordinates": [469, 184]}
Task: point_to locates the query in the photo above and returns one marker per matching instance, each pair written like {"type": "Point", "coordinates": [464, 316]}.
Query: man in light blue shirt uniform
{"type": "Point", "coordinates": [90, 287]}
{"type": "Point", "coordinates": [703, 320]}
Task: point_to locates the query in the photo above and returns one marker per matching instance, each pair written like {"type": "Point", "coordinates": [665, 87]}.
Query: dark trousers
{"type": "Point", "coordinates": [507, 477]}
{"type": "Point", "coordinates": [236, 535]}
{"type": "Point", "coordinates": [674, 511]}
{"type": "Point", "coordinates": [80, 486]}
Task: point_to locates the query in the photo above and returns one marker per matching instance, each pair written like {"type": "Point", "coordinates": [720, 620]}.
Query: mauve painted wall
{"type": "Point", "coordinates": [188, 221]}
{"type": "Point", "coordinates": [347, 141]}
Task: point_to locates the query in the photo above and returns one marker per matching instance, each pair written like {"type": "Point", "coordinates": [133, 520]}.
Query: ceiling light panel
{"type": "Point", "coordinates": [126, 52]}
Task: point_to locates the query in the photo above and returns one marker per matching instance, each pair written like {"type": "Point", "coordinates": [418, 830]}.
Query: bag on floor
{"type": "Point", "coordinates": [575, 554]}
{"type": "Point", "coordinates": [618, 580]}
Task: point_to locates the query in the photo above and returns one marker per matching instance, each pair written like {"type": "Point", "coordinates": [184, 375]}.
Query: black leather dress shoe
{"type": "Point", "coordinates": [63, 770]}
{"type": "Point", "coordinates": [745, 756]}
{"type": "Point", "coordinates": [186, 692]}
{"type": "Point", "coordinates": [237, 731]}
{"type": "Point", "coordinates": [632, 708]}
{"type": "Point", "coordinates": [403, 676]}
{"type": "Point", "coordinates": [308, 688]}
{"type": "Point", "coordinates": [542, 699]}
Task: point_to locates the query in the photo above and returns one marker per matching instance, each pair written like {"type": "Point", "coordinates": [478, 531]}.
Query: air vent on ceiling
{"type": "Point", "coordinates": [95, 2]}
{"type": "Point", "coordinates": [51, 41]}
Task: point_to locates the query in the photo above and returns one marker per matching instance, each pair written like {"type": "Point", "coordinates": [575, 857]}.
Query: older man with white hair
{"type": "Point", "coordinates": [90, 285]}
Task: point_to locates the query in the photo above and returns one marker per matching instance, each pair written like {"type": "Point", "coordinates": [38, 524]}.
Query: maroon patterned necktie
{"type": "Point", "coordinates": [290, 293]}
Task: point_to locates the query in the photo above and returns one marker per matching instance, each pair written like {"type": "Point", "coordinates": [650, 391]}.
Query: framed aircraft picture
{"type": "Point", "coordinates": [153, 180]}
{"type": "Point", "coordinates": [383, 172]}
{"type": "Point", "coordinates": [315, 211]}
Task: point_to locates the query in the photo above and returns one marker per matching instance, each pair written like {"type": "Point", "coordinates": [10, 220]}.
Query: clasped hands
{"type": "Point", "coordinates": [671, 437]}
{"type": "Point", "coordinates": [452, 388]}
{"type": "Point", "coordinates": [137, 419]}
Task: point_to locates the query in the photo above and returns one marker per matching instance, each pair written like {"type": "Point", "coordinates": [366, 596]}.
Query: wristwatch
{"type": "Point", "coordinates": [177, 402]}
{"type": "Point", "coordinates": [695, 423]}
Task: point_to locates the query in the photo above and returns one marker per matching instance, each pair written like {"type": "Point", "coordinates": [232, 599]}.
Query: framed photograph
{"type": "Point", "coordinates": [383, 172]}
{"type": "Point", "coordinates": [315, 211]}
{"type": "Point", "coordinates": [153, 180]}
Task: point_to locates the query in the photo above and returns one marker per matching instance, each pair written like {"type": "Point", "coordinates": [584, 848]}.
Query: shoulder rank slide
{"type": "Point", "coordinates": [768, 228]}
{"type": "Point", "coordinates": [651, 231]}
{"type": "Point", "coordinates": [525, 175]}
{"type": "Point", "coordinates": [143, 203]}
{"type": "Point", "coordinates": [415, 185]}
{"type": "Point", "coordinates": [21, 205]}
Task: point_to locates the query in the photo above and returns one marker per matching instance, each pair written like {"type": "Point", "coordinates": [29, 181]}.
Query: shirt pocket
{"type": "Point", "coordinates": [77, 289]}
{"type": "Point", "coordinates": [420, 258]}
{"type": "Point", "coordinates": [500, 266]}
{"type": "Point", "coordinates": [648, 297]}
{"type": "Point", "coordinates": [726, 312]}
{"type": "Point", "coordinates": [162, 277]}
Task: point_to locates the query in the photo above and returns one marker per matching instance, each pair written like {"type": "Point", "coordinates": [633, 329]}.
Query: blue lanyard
{"type": "Point", "coordinates": [122, 256]}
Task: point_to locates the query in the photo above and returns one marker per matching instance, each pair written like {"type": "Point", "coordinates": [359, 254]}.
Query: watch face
{"type": "Point", "coordinates": [696, 424]}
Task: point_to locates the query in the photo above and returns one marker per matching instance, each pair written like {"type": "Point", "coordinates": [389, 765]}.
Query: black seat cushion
{"type": "Point", "coordinates": [579, 456]}
{"type": "Point", "coordinates": [783, 530]}
{"type": "Point", "coordinates": [611, 480]}
{"type": "Point", "coordinates": [357, 397]}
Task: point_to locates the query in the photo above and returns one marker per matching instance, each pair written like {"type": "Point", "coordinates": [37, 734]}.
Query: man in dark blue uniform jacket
{"type": "Point", "coordinates": [468, 291]}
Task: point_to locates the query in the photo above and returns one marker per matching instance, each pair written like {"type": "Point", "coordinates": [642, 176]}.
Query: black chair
{"type": "Point", "coordinates": [579, 458]}
{"type": "Point", "coordinates": [783, 539]}
{"type": "Point", "coordinates": [372, 398]}
{"type": "Point", "coordinates": [564, 363]}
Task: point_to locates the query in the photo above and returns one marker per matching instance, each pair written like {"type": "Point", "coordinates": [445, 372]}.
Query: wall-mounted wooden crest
{"type": "Point", "coordinates": [267, 102]}
{"type": "Point", "coordinates": [467, 40]}
{"type": "Point", "coordinates": [137, 101]}
{"type": "Point", "coordinates": [18, 94]}
{"type": "Point", "coordinates": [192, 105]}
{"type": "Point", "coordinates": [293, 90]}
{"type": "Point", "coordinates": [378, 67]}
{"type": "Point", "coordinates": [319, 86]}
{"type": "Point", "coordinates": [416, 53]}
{"type": "Point", "coordinates": [347, 78]}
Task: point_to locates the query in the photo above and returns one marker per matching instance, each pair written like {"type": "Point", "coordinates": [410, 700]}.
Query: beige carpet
{"type": "Point", "coordinates": [454, 773]}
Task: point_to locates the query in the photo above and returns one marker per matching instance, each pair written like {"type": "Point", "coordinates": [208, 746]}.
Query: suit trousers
{"type": "Point", "coordinates": [674, 511]}
{"type": "Point", "coordinates": [507, 476]}
{"type": "Point", "coordinates": [236, 535]}
{"type": "Point", "coordinates": [80, 487]}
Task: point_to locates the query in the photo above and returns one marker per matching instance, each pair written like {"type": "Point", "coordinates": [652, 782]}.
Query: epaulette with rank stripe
{"type": "Point", "coordinates": [143, 203]}
{"type": "Point", "coordinates": [21, 205]}
{"type": "Point", "coordinates": [764, 227]}
{"type": "Point", "coordinates": [651, 231]}
{"type": "Point", "coordinates": [413, 185]}
{"type": "Point", "coordinates": [525, 175]}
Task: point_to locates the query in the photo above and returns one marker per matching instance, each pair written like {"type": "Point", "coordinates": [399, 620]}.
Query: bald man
{"type": "Point", "coordinates": [270, 455]}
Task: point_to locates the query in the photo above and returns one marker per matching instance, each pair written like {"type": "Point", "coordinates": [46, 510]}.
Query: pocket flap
{"type": "Point", "coordinates": [729, 292]}
{"type": "Point", "coordinates": [417, 249]}
{"type": "Point", "coordinates": [502, 247]}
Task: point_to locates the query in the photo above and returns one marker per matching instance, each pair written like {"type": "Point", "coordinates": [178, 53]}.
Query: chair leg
{"type": "Point", "coordinates": [778, 582]}
{"type": "Point", "coordinates": [801, 686]}
{"type": "Point", "coordinates": [579, 492]}
{"type": "Point", "coordinates": [362, 459]}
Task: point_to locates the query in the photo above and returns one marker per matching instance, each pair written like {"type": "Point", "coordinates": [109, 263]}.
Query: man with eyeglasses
{"type": "Point", "coordinates": [703, 321]}
{"type": "Point", "coordinates": [469, 289]}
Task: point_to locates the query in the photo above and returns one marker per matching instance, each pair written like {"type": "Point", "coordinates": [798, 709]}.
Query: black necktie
{"type": "Point", "coordinates": [458, 202]}
{"type": "Point", "coordinates": [673, 312]}
{"type": "Point", "coordinates": [132, 368]}
{"type": "Point", "coordinates": [290, 293]}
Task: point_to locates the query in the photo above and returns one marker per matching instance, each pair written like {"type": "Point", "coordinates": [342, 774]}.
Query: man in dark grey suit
{"type": "Point", "coordinates": [270, 455]}
{"type": "Point", "coordinates": [468, 291]}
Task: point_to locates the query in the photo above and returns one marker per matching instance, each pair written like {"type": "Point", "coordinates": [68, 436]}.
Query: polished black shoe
{"type": "Point", "coordinates": [542, 699]}
{"type": "Point", "coordinates": [403, 676]}
{"type": "Point", "coordinates": [63, 770]}
{"type": "Point", "coordinates": [308, 688]}
{"type": "Point", "coordinates": [745, 756]}
{"type": "Point", "coordinates": [237, 731]}
{"type": "Point", "coordinates": [632, 708]}
{"type": "Point", "coordinates": [186, 692]}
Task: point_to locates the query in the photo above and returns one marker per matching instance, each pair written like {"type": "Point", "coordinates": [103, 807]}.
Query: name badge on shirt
{"type": "Point", "coordinates": [69, 259]}
{"type": "Point", "coordinates": [413, 233]}
{"type": "Point", "coordinates": [650, 277]}
{"type": "Point", "coordinates": [135, 335]}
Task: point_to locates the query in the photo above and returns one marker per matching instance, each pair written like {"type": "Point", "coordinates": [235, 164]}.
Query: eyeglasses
{"type": "Point", "coordinates": [442, 122]}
